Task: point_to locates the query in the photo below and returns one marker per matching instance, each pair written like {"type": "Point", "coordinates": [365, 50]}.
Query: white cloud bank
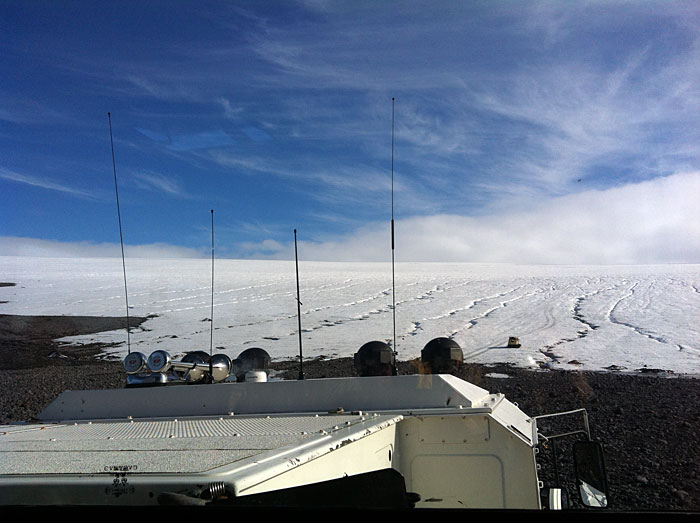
{"type": "Point", "coordinates": [656, 221]}
{"type": "Point", "coordinates": [13, 246]}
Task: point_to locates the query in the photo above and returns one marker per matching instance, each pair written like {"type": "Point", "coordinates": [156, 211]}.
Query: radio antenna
{"type": "Point", "coordinates": [121, 239]}
{"type": "Point", "coordinates": [211, 335]}
{"type": "Point", "coordinates": [296, 260]}
{"type": "Point", "coordinates": [393, 279]}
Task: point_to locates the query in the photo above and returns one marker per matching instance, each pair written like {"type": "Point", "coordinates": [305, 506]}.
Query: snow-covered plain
{"type": "Point", "coordinates": [571, 317]}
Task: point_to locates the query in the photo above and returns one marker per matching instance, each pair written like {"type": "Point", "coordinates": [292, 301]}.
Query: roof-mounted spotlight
{"type": "Point", "coordinates": [135, 363]}
{"type": "Point", "coordinates": [196, 372]}
{"type": "Point", "coordinates": [159, 368]}
{"type": "Point", "coordinates": [441, 356]}
{"type": "Point", "coordinates": [138, 373]}
{"type": "Point", "coordinates": [375, 358]}
{"type": "Point", "coordinates": [254, 361]}
{"type": "Point", "coordinates": [159, 361]}
{"type": "Point", "coordinates": [220, 366]}
{"type": "Point", "coordinates": [199, 367]}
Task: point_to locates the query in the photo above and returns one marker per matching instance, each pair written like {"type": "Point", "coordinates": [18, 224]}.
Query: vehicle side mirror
{"type": "Point", "coordinates": [590, 473]}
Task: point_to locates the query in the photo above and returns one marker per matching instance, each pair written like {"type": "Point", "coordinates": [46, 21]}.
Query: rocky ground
{"type": "Point", "coordinates": [648, 423]}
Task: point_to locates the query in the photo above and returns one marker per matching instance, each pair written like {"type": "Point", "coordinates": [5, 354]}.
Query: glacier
{"type": "Point", "coordinates": [568, 317]}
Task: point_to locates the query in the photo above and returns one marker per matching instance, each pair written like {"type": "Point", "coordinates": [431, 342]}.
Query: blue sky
{"type": "Point", "coordinates": [537, 132]}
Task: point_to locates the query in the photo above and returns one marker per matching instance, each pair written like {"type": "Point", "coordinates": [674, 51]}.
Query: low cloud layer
{"type": "Point", "coordinates": [657, 221]}
{"type": "Point", "coordinates": [11, 246]}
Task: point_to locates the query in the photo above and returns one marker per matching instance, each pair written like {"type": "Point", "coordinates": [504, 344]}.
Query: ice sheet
{"type": "Point", "coordinates": [575, 317]}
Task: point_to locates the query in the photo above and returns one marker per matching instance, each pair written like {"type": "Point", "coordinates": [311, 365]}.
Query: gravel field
{"type": "Point", "coordinates": [648, 423]}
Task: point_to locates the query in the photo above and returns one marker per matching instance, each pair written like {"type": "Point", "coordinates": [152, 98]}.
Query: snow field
{"type": "Point", "coordinates": [573, 317]}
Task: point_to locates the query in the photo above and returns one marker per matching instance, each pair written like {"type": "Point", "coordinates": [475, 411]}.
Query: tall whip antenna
{"type": "Point", "coordinates": [211, 335]}
{"type": "Point", "coordinates": [393, 279]}
{"type": "Point", "coordinates": [296, 259]}
{"type": "Point", "coordinates": [121, 239]}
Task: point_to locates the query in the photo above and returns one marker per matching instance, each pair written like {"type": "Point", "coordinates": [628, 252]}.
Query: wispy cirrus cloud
{"type": "Point", "coordinates": [230, 111]}
{"type": "Point", "coordinates": [23, 111]}
{"type": "Point", "coordinates": [190, 142]}
{"type": "Point", "coordinates": [45, 183]}
{"type": "Point", "coordinates": [580, 117]}
{"type": "Point", "coordinates": [367, 178]}
{"type": "Point", "coordinates": [159, 182]}
{"type": "Point", "coordinates": [351, 191]}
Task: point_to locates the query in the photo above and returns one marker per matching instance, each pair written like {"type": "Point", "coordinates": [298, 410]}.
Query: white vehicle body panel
{"type": "Point", "coordinates": [455, 444]}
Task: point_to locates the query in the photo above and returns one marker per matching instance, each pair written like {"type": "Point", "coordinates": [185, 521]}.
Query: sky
{"type": "Point", "coordinates": [525, 132]}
